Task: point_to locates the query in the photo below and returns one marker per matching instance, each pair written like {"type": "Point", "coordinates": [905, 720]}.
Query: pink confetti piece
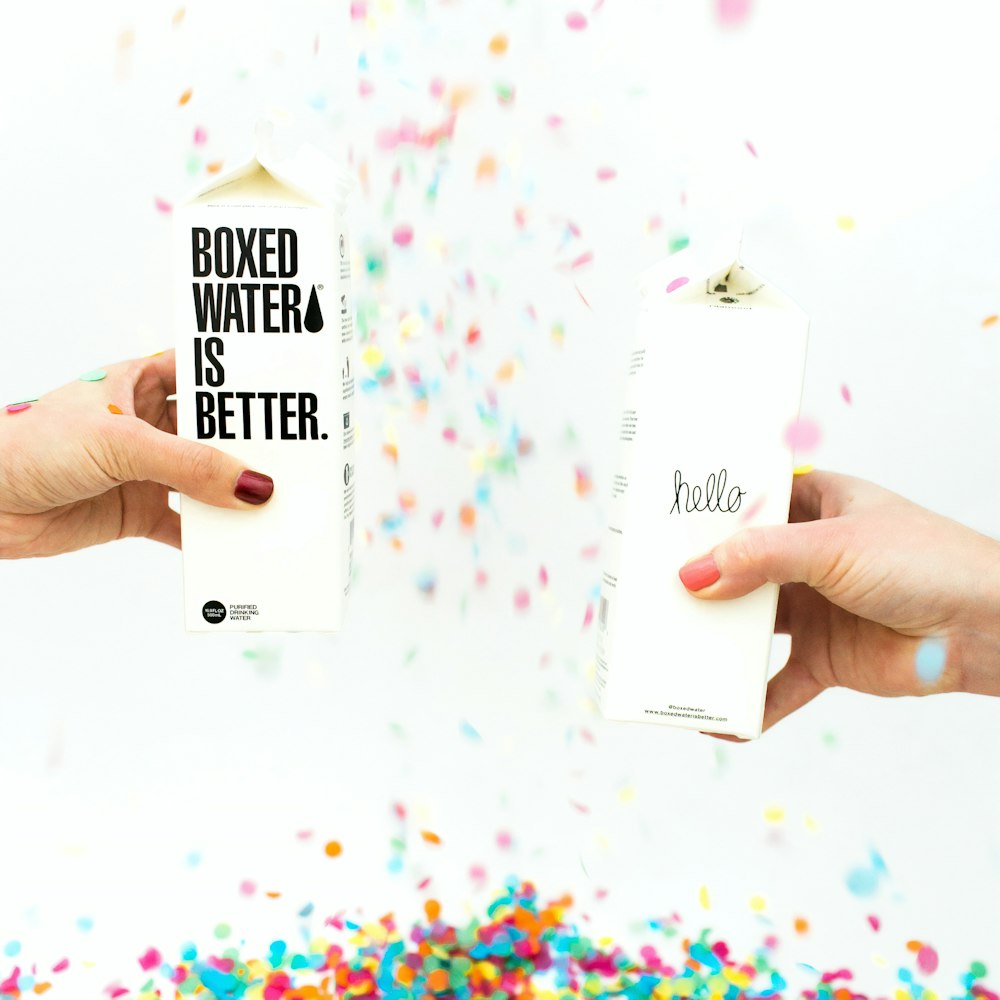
{"type": "Point", "coordinates": [247, 888]}
{"type": "Point", "coordinates": [359, 10]}
{"type": "Point", "coordinates": [163, 206]}
{"type": "Point", "coordinates": [554, 121]}
{"type": "Point", "coordinates": [588, 616]}
{"type": "Point", "coordinates": [522, 599]}
{"type": "Point", "coordinates": [200, 136]}
{"type": "Point", "coordinates": [477, 873]}
{"type": "Point", "coordinates": [927, 959]}
{"type": "Point", "coordinates": [606, 173]}
{"type": "Point", "coordinates": [874, 922]}
{"type": "Point", "coordinates": [845, 394]}
{"type": "Point", "coordinates": [504, 840]}
{"type": "Point", "coordinates": [437, 87]}
{"type": "Point", "coordinates": [583, 298]}
{"type": "Point", "coordinates": [304, 834]}
{"type": "Point", "coordinates": [753, 510]}
{"type": "Point", "coordinates": [18, 407]}
{"type": "Point", "coordinates": [802, 435]}
{"type": "Point", "coordinates": [437, 517]}
{"type": "Point", "coordinates": [580, 807]}
{"type": "Point", "coordinates": [732, 12]}
{"type": "Point", "coordinates": [424, 882]}
{"type": "Point", "coordinates": [750, 146]}
{"type": "Point", "coordinates": [151, 960]}
{"type": "Point", "coordinates": [450, 435]}
{"type": "Point", "coordinates": [61, 966]}
{"type": "Point", "coordinates": [365, 88]}
{"type": "Point", "coordinates": [402, 235]}
{"type": "Point", "coordinates": [482, 578]}
{"type": "Point", "coordinates": [583, 259]}
{"type": "Point", "coordinates": [677, 283]}
{"type": "Point", "coordinates": [575, 21]}
{"type": "Point", "coordinates": [590, 551]}
{"type": "Point", "coordinates": [543, 576]}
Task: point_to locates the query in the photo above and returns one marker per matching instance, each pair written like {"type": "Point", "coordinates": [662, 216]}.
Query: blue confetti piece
{"type": "Point", "coordinates": [930, 660]}
{"type": "Point", "coordinates": [862, 881]}
{"type": "Point", "coordinates": [469, 731]}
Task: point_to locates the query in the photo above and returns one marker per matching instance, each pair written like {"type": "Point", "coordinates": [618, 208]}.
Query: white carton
{"type": "Point", "coordinates": [714, 382]}
{"type": "Point", "coordinates": [265, 372]}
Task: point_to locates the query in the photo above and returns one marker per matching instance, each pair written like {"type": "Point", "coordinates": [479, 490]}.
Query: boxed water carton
{"type": "Point", "coordinates": [714, 382]}
{"type": "Point", "coordinates": [265, 372]}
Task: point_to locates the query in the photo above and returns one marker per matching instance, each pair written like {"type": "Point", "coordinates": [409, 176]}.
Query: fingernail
{"type": "Point", "coordinates": [254, 487]}
{"type": "Point", "coordinates": [699, 573]}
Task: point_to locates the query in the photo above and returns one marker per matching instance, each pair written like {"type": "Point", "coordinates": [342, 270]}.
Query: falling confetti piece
{"type": "Point", "coordinates": [200, 136]}
{"type": "Point", "coordinates": [433, 909]}
{"type": "Point", "coordinates": [802, 434]}
{"type": "Point", "coordinates": [18, 407]}
{"type": "Point", "coordinates": [163, 206]}
{"type": "Point", "coordinates": [990, 320]}
{"type": "Point", "coordinates": [470, 732]}
{"type": "Point", "coordinates": [178, 17]}
{"type": "Point", "coordinates": [845, 394]}
{"type": "Point", "coordinates": [927, 960]}
{"type": "Point", "coordinates": [467, 515]}
{"type": "Point", "coordinates": [247, 888]}
{"type": "Point", "coordinates": [677, 283]}
{"type": "Point", "coordinates": [498, 45]}
{"type": "Point", "coordinates": [752, 148]}
{"type": "Point", "coordinates": [522, 599]}
{"type": "Point", "coordinates": [95, 376]}
{"type": "Point", "coordinates": [185, 97]}
{"type": "Point", "coordinates": [732, 12]}
{"type": "Point", "coordinates": [431, 838]}
{"type": "Point", "coordinates": [862, 881]}
{"type": "Point", "coordinates": [703, 898]}
{"type": "Point", "coordinates": [606, 173]}
{"type": "Point", "coordinates": [333, 849]}
{"type": "Point", "coordinates": [930, 660]}
{"type": "Point", "coordinates": [402, 235]}
{"type": "Point", "coordinates": [874, 922]}
{"type": "Point", "coordinates": [801, 925]}
{"type": "Point", "coordinates": [802, 470]}
{"type": "Point", "coordinates": [214, 167]}
{"type": "Point", "coordinates": [845, 223]}
{"type": "Point", "coordinates": [575, 21]}
{"type": "Point", "coordinates": [115, 409]}
{"type": "Point", "coordinates": [150, 960]}
{"type": "Point", "coordinates": [758, 904]}
{"type": "Point", "coordinates": [486, 169]}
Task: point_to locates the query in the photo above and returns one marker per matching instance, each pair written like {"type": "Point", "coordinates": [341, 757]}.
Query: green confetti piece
{"type": "Point", "coordinates": [97, 375]}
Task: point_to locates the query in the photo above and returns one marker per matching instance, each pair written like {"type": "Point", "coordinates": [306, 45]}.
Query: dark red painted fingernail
{"type": "Point", "coordinates": [699, 573]}
{"type": "Point", "coordinates": [254, 487]}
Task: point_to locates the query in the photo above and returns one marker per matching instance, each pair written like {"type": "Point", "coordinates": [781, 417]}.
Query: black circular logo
{"type": "Point", "coordinates": [214, 612]}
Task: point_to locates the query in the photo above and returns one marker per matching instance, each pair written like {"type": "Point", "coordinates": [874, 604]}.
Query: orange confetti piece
{"type": "Point", "coordinates": [273, 895]}
{"type": "Point", "coordinates": [405, 975]}
{"type": "Point", "coordinates": [397, 544]}
{"type": "Point", "coordinates": [178, 16]}
{"type": "Point", "coordinates": [214, 167]}
{"type": "Point", "coordinates": [333, 849]}
{"type": "Point", "coordinates": [114, 409]}
{"type": "Point", "coordinates": [486, 169]}
{"type": "Point", "coordinates": [433, 909]}
{"type": "Point", "coordinates": [498, 45]}
{"type": "Point", "coordinates": [185, 97]}
{"type": "Point", "coordinates": [990, 320]}
{"type": "Point", "coordinates": [801, 925]}
{"type": "Point", "coordinates": [390, 451]}
{"type": "Point", "coordinates": [506, 371]}
{"type": "Point", "coordinates": [431, 838]}
{"type": "Point", "coordinates": [438, 980]}
{"type": "Point", "coordinates": [914, 945]}
{"type": "Point", "coordinates": [467, 515]}
{"type": "Point", "coordinates": [407, 500]}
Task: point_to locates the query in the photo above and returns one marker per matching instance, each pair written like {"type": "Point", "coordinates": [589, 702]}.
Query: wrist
{"type": "Point", "coordinates": [977, 636]}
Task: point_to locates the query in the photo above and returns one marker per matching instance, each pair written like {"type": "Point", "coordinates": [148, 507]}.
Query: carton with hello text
{"type": "Point", "coordinates": [265, 372]}
{"type": "Point", "coordinates": [714, 382]}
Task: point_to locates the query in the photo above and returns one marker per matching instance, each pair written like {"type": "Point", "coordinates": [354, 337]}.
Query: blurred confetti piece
{"type": "Point", "coordinates": [543, 576]}
{"type": "Point", "coordinates": [930, 660]}
{"type": "Point", "coordinates": [845, 394]}
{"type": "Point", "coordinates": [990, 320]}
{"type": "Point", "coordinates": [114, 409]}
{"type": "Point", "coordinates": [504, 840]}
{"type": "Point", "coordinates": [486, 169]}
{"type": "Point", "coordinates": [753, 510]}
{"type": "Point", "coordinates": [584, 484]}
{"type": "Point", "coordinates": [178, 17]}
{"type": "Point", "coordinates": [402, 235]}
{"type": "Point", "coordinates": [333, 849]}
{"type": "Point", "coordinates": [732, 12]}
{"type": "Point", "coordinates": [247, 887]}
{"type": "Point", "coordinates": [185, 97]}
{"type": "Point", "coordinates": [18, 407]}
{"type": "Point", "coordinates": [752, 148]}
{"type": "Point", "coordinates": [200, 136]}
{"type": "Point", "coordinates": [467, 515]}
{"type": "Point", "coordinates": [874, 922]}
{"type": "Point", "coordinates": [801, 925]}
{"type": "Point", "coordinates": [802, 434]}
{"type": "Point", "coordinates": [150, 960]}
{"type": "Point", "coordinates": [522, 599]}
{"type": "Point", "coordinates": [94, 376]}
{"type": "Point", "coordinates": [498, 44]}
{"type": "Point", "coordinates": [862, 881]}
{"type": "Point", "coordinates": [606, 173]}
{"type": "Point", "coordinates": [703, 898]}
{"type": "Point", "coordinates": [677, 283]}
{"type": "Point", "coordinates": [163, 206]}
{"type": "Point", "coordinates": [845, 223]}
{"type": "Point", "coordinates": [430, 837]}
{"type": "Point", "coordinates": [575, 21]}
{"type": "Point", "coordinates": [927, 959]}
{"type": "Point", "coordinates": [469, 731]}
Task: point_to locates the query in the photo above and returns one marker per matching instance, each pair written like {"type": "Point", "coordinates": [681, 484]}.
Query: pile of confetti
{"type": "Point", "coordinates": [522, 947]}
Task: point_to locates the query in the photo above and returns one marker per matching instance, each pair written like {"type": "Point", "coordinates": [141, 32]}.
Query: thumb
{"type": "Point", "coordinates": [196, 470]}
{"type": "Point", "coordinates": [782, 553]}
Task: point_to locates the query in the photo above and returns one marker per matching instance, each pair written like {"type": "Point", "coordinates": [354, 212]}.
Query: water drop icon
{"type": "Point", "coordinates": [314, 315]}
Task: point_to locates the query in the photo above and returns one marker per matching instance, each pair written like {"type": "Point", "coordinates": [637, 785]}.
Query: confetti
{"type": "Point", "coordinates": [575, 21]}
{"type": "Point", "coordinates": [185, 97]}
{"type": "Point", "coordinates": [990, 320]}
{"type": "Point", "coordinates": [333, 849]}
{"type": "Point", "coordinates": [845, 394]}
{"type": "Point", "coordinates": [750, 146]}
{"type": "Point", "coordinates": [732, 12]}
{"type": "Point", "coordinates": [402, 235]}
{"type": "Point", "coordinates": [930, 660]}
{"type": "Point", "coordinates": [606, 173]}
{"type": "Point", "coordinates": [498, 45]}
{"type": "Point", "coordinates": [845, 223]}
{"type": "Point", "coordinates": [431, 838]}
{"type": "Point", "coordinates": [18, 407]}
{"type": "Point", "coordinates": [522, 599]}
{"type": "Point", "coordinates": [802, 435]}
{"type": "Point", "coordinates": [162, 206]}
{"type": "Point", "coordinates": [114, 409]}
{"type": "Point", "coordinates": [677, 283]}
{"type": "Point", "coordinates": [97, 375]}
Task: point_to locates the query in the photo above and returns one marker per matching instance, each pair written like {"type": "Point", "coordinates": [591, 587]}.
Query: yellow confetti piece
{"type": "Point", "coordinates": [811, 824]}
{"type": "Point", "coordinates": [757, 904]}
{"type": "Point", "coordinates": [627, 794]}
{"type": "Point", "coordinates": [178, 16]}
{"type": "Point", "coordinates": [185, 97]}
{"type": "Point", "coordinates": [774, 814]}
{"type": "Point", "coordinates": [114, 409]}
{"type": "Point", "coordinates": [371, 355]}
{"type": "Point", "coordinates": [802, 470]}
{"type": "Point", "coordinates": [703, 898]}
{"type": "Point", "coordinates": [410, 326]}
{"type": "Point", "coordinates": [845, 223]}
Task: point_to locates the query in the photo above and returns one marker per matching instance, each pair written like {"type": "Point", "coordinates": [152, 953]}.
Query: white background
{"type": "Point", "coordinates": [125, 744]}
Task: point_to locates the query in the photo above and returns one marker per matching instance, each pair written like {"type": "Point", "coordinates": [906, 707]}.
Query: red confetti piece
{"type": "Point", "coordinates": [473, 335]}
{"type": "Point", "coordinates": [575, 21]}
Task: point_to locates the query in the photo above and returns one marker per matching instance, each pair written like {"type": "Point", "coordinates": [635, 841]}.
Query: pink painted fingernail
{"type": "Point", "coordinates": [699, 573]}
{"type": "Point", "coordinates": [254, 487]}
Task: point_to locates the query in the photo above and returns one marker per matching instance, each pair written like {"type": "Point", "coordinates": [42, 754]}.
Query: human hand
{"type": "Point", "coordinates": [866, 577]}
{"type": "Point", "coordinates": [93, 461]}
